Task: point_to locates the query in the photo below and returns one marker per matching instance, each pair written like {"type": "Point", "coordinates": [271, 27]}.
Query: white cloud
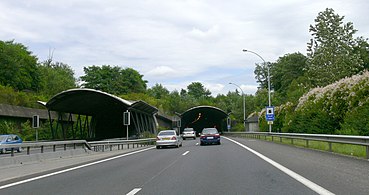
{"type": "Point", "coordinates": [171, 42]}
{"type": "Point", "coordinates": [162, 71]}
{"type": "Point", "coordinates": [215, 88]}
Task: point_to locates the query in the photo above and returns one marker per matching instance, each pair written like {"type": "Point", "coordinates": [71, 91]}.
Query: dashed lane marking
{"type": "Point", "coordinates": [71, 169]}
{"type": "Point", "coordinates": [134, 191]}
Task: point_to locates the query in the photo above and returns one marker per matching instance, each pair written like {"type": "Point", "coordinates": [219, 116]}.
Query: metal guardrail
{"type": "Point", "coordinates": [120, 144]}
{"type": "Point", "coordinates": [342, 139]}
{"type": "Point", "coordinates": [42, 145]}
{"type": "Point", "coordinates": [73, 144]}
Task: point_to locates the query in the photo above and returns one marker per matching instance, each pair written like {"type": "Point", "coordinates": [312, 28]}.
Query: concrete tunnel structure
{"type": "Point", "coordinates": [203, 117]}
{"type": "Point", "coordinates": [96, 115]}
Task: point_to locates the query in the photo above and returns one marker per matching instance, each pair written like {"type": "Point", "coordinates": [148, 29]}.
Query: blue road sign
{"type": "Point", "coordinates": [269, 113]}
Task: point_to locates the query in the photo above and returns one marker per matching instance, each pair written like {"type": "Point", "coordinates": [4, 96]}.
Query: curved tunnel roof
{"type": "Point", "coordinates": [203, 116]}
{"type": "Point", "coordinates": [91, 102]}
{"type": "Point", "coordinates": [217, 111]}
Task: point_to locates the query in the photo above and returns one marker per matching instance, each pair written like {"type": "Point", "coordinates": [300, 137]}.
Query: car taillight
{"type": "Point", "coordinates": [174, 138]}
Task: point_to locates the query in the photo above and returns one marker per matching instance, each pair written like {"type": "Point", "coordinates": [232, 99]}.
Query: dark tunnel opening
{"type": "Point", "coordinates": [203, 117]}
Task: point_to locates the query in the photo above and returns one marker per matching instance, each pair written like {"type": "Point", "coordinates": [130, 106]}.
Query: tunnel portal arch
{"type": "Point", "coordinates": [102, 113]}
{"type": "Point", "coordinates": [204, 116]}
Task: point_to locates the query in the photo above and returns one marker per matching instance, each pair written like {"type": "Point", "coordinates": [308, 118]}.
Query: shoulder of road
{"type": "Point", "coordinates": [16, 167]}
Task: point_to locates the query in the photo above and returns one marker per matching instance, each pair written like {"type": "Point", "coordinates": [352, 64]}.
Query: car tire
{"type": "Point", "coordinates": [184, 138]}
{"type": "Point", "coordinates": [157, 147]}
{"type": "Point", "coordinates": [19, 150]}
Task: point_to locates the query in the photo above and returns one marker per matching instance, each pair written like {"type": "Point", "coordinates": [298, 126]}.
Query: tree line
{"type": "Point", "coordinates": [333, 53]}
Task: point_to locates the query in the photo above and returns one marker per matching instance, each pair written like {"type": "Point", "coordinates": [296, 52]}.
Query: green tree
{"type": "Point", "coordinates": [55, 78]}
{"type": "Point", "coordinates": [297, 88]}
{"type": "Point", "coordinates": [114, 80]}
{"type": "Point", "coordinates": [331, 53]}
{"type": "Point", "coordinates": [261, 96]}
{"type": "Point", "coordinates": [158, 91]}
{"type": "Point", "coordinates": [362, 49]}
{"type": "Point", "coordinates": [197, 90]}
{"type": "Point", "coordinates": [174, 103]}
{"type": "Point", "coordinates": [18, 67]}
{"type": "Point", "coordinates": [261, 73]}
{"type": "Point", "coordinates": [285, 70]}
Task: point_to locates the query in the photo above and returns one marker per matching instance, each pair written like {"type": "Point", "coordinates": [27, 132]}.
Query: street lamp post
{"type": "Point", "coordinates": [245, 50]}
{"type": "Point", "coordinates": [244, 107]}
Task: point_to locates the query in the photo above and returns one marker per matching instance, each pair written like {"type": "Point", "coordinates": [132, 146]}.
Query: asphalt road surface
{"type": "Point", "coordinates": [243, 167]}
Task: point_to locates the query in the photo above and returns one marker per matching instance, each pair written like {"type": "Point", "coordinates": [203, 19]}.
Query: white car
{"type": "Point", "coordinates": [168, 138]}
{"type": "Point", "coordinates": [189, 133]}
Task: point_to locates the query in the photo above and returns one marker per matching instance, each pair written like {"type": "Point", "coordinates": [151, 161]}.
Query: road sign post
{"type": "Point", "coordinates": [127, 120]}
{"type": "Point", "coordinates": [228, 124]}
{"type": "Point", "coordinates": [36, 124]}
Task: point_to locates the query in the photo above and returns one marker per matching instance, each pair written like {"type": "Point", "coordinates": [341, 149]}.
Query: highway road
{"type": "Point", "coordinates": [237, 166]}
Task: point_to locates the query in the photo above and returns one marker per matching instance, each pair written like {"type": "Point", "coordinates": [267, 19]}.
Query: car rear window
{"type": "Point", "coordinates": [210, 131]}
{"type": "Point", "coordinates": [167, 133]}
{"type": "Point", "coordinates": [188, 130]}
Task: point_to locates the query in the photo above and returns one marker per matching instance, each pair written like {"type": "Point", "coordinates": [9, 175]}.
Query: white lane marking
{"type": "Point", "coordinates": [184, 154]}
{"type": "Point", "coordinates": [71, 169]}
{"type": "Point", "coordinates": [134, 191]}
{"type": "Point", "coordinates": [313, 186]}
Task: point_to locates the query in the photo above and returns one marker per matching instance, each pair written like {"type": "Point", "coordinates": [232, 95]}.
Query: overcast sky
{"type": "Point", "coordinates": [172, 42]}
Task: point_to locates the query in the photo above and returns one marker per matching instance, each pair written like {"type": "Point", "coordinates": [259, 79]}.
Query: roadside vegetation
{"type": "Point", "coordinates": [325, 91]}
{"type": "Point", "coordinates": [344, 149]}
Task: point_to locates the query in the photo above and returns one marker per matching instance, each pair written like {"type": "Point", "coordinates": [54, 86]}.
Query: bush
{"type": "Point", "coordinates": [341, 107]}
{"type": "Point", "coordinates": [356, 121]}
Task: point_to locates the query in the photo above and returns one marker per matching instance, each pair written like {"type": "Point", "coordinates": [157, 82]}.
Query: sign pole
{"type": "Point", "coordinates": [127, 132]}
{"type": "Point", "coordinates": [36, 124]}
{"type": "Point", "coordinates": [126, 121]}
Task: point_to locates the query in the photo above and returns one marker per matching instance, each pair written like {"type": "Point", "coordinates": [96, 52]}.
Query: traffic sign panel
{"type": "Point", "coordinates": [269, 113]}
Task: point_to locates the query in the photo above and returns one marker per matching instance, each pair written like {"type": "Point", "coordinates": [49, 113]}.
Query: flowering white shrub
{"type": "Point", "coordinates": [351, 92]}
{"type": "Point", "coordinates": [332, 109]}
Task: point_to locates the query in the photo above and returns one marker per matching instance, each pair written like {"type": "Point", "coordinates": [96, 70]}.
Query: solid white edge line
{"type": "Point", "coordinates": [134, 191]}
{"type": "Point", "coordinates": [313, 186]}
{"type": "Point", "coordinates": [71, 169]}
{"type": "Point", "coordinates": [185, 153]}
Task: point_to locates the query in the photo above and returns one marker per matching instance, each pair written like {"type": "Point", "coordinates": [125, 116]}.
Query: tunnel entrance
{"type": "Point", "coordinates": [204, 116]}
{"type": "Point", "coordinates": [99, 115]}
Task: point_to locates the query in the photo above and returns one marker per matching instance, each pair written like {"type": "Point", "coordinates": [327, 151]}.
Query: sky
{"type": "Point", "coordinates": [172, 42]}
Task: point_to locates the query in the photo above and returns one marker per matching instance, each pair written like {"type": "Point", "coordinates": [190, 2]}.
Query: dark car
{"type": "Point", "coordinates": [209, 136]}
{"type": "Point", "coordinates": [7, 141]}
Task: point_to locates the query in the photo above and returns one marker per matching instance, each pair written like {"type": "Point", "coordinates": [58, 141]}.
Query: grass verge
{"type": "Point", "coordinates": [346, 149]}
